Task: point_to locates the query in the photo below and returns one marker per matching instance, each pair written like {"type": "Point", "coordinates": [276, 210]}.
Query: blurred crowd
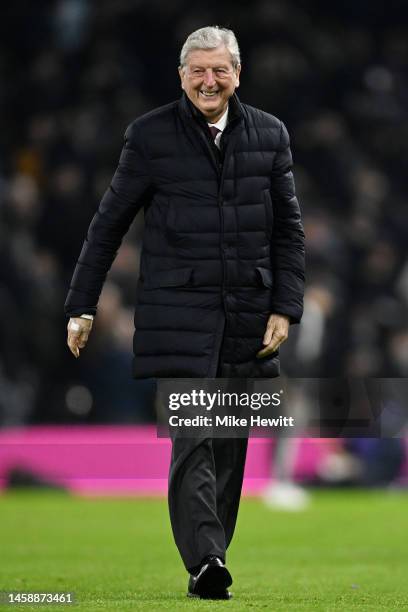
{"type": "Point", "coordinates": [75, 73]}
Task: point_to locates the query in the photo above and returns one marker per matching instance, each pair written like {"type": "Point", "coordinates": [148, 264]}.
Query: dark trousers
{"type": "Point", "coordinates": [204, 492]}
{"type": "Point", "coordinates": [205, 483]}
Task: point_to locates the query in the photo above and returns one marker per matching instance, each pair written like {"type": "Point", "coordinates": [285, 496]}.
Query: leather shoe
{"type": "Point", "coordinates": [212, 580]}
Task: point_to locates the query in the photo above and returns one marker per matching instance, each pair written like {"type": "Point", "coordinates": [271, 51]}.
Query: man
{"type": "Point", "coordinates": [221, 273]}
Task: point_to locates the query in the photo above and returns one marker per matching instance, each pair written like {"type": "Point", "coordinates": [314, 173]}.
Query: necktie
{"type": "Point", "coordinates": [214, 131]}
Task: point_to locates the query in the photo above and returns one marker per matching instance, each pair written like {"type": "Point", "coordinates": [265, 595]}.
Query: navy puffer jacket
{"type": "Point", "coordinates": [223, 243]}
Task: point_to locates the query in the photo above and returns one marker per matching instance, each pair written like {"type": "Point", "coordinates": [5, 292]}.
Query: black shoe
{"type": "Point", "coordinates": [211, 581]}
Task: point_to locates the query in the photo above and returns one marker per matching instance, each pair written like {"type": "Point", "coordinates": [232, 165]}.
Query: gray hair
{"type": "Point", "coordinates": [211, 37]}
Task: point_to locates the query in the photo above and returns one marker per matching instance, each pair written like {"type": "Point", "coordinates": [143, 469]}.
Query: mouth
{"type": "Point", "coordinates": [208, 94]}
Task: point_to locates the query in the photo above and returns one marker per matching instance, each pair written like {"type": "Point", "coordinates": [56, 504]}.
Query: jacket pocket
{"type": "Point", "coordinates": [169, 278]}
{"type": "Point", "coordinates": [264, 277]}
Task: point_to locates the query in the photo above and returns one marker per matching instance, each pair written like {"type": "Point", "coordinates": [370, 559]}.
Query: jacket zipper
{"type": "Point", "coordinates": [220, 168]}
{"type": "Point", "coordinates": [222, 225]}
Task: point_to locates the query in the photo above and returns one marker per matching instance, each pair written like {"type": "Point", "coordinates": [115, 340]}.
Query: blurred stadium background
{"type": "Point", "coordinates": [74, 74]}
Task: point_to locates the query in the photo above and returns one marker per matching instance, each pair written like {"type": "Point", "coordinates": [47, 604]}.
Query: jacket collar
{"type": "Point", "coordinates": [187, 108]}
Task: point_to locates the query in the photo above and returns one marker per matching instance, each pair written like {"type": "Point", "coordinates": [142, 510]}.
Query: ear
{"type": "Point", "coordinates": [237, 73]}
{"type": "Point", "coordinates": [181, 74]}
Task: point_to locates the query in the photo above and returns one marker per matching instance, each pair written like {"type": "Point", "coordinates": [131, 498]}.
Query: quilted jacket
{"type": "Point", "coordinates": [223, 243]}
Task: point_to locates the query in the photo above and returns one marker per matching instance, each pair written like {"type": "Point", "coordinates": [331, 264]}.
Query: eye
{"type": "Point", "coordinates": [221, 72]}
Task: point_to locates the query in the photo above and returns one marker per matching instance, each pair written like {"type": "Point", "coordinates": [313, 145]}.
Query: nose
{"type": "Point", "coordinates": [209, 79]}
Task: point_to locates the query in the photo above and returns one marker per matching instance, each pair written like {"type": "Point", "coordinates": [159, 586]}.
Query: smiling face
{"type": "Point", "coordinates": [209, 80]}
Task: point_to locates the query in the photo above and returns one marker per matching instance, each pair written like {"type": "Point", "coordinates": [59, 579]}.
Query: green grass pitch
{"type": "Point", "coordinates": [349, 551]}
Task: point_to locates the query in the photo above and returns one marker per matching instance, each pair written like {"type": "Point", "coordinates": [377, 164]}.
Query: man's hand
{"type": "Point", "coordinates": [78, 334]}
{"type": "Point", "coordinates": [277, 331]}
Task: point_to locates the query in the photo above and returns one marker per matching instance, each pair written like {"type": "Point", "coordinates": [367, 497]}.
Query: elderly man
{"type": "Point", "coordinates": [221, 272]}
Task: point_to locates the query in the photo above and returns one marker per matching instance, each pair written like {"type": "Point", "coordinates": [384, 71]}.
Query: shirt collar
{"type": "Point", "coordinates": [221, 123]}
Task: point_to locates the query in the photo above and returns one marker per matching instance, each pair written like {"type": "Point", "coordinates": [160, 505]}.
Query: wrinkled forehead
{"type": "Point", "coordinates": [209, 58]}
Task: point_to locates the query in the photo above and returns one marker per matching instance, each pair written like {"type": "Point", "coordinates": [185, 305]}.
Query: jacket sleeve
{"type": "Point", "coordinates": [127, 193]}
{"type": "Point", "coordinates": [288, 238]}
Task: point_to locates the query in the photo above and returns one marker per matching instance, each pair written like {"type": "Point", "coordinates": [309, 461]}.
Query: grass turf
{"type": "Point", "coordinates": [347, 552]}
